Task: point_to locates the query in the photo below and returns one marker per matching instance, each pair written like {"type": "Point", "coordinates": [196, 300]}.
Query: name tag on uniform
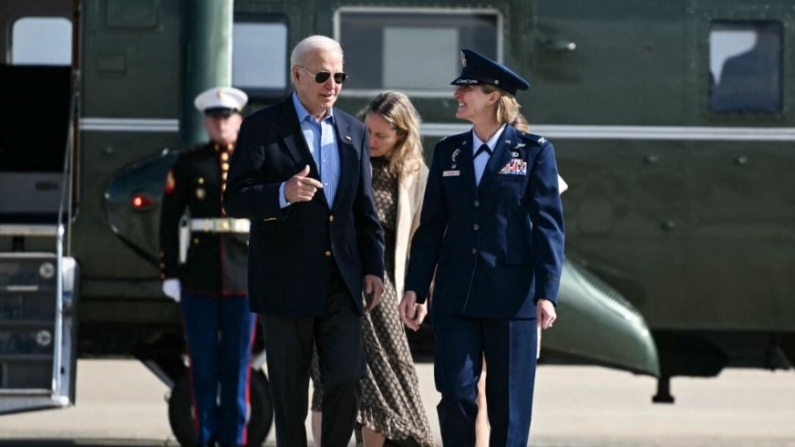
{"type": "Point", "coordinates": [451, 173]}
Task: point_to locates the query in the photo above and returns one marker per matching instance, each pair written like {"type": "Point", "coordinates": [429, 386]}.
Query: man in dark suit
{"type": "Point", "coordinates": [491, 230]}
{"type": "Point", "coordinates": [301, 173]}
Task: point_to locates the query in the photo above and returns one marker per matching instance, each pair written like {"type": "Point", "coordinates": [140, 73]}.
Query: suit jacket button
{"type": "Point", "coordinates": [476, 227]}
{"type": "Point", "coordinates": [328, 254]}
{"type": "Point", "coordinates": [474, 251]}
{"type": "Point", "coordinates": [477, 203]}
{"type": "Point", "coordinates": [331, 218]}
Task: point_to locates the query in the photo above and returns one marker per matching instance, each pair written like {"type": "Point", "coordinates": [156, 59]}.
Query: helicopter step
{"type": "Point", "coordinates": [38, 293]}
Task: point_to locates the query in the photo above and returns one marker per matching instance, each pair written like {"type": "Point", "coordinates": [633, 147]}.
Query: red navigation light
{"type": "Point", "coordinates": [142, 201]}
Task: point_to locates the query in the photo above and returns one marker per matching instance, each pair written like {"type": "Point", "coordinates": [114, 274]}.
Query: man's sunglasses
{"type": "Point", "coordinates": [322, 76]}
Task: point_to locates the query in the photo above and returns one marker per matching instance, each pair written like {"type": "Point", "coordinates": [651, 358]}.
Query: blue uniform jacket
{"type": "Point", "coordinates": [495, 248]}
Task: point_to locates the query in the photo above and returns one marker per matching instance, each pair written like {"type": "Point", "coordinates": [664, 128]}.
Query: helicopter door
{"type": "Point", "coordinates": [38, 278]}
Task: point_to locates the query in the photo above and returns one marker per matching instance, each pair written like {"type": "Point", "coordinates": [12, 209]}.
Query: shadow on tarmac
{"type": "Point", "coordinates": [87, 443]}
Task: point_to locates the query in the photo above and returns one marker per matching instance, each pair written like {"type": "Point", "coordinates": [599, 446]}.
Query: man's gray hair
{"type": "Point", "coordinates": [308, 45]}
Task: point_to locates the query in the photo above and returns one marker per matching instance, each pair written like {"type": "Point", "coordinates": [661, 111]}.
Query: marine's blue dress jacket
{"type": "Point", "coordinates": [497, 247]}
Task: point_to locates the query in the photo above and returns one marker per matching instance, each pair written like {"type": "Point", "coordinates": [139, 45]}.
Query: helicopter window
{"type": "Point", "coordinates": [41, 41]}
{"type": "Point", "coordinates": [259, 55]}
{"type": "Point", "coordinates": [414, 50]}
{"type": "Point", "coordinates": [746, 67]}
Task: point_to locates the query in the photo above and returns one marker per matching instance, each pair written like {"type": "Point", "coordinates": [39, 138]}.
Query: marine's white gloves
{"type": "Point", "coordinates": [172, 289]}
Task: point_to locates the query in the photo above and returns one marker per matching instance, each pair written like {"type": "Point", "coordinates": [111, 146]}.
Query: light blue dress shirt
{"type": "Point", "coordinates": [321, 138]}
{"type": "Point", "coordinates": [483, 158]}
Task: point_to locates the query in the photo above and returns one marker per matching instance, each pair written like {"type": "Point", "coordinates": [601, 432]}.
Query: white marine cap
{"type": "Point", "coordinates": [222, 101]}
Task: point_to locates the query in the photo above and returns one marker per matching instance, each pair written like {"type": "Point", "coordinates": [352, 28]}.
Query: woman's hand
{"type": "Point", "coordinates": [411, 313]}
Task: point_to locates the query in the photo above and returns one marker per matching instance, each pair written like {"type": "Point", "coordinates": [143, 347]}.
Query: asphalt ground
{"type": "Point", "coordinates": [119, 403]}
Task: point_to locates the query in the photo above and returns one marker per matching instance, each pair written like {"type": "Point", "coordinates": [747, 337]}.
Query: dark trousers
{"type": "Point", "coordinates": [289, 343]}
{"type": "Point", "coordinates": [219, 331]}
{"type": "Point", "coordinates": [510, 350]}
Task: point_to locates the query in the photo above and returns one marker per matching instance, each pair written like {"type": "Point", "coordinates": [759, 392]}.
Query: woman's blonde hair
{"type": "Point", "coordinates": [507, 105]}
{"type": "Point", "coordinates": [397, 109]}
{"type": "Point", "coordinates": [520, 123]}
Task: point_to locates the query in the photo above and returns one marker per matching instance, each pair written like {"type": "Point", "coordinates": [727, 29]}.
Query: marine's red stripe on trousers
{"type": "Point", "coordinates": [248, 383]}
{"type": "Point", "coordinates": [193, 412]}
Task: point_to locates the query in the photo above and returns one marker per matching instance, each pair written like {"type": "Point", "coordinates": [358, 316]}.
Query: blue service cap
{"type": "Point", "coordinates": [478, 69]}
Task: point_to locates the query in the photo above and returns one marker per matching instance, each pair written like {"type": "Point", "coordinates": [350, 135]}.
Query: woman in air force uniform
{"type": "Point", "coordinates": [491, 231]}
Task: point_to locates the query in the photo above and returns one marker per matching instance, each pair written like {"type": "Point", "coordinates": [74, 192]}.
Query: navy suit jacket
{"type": "Point", "coordinates": [291, 249]}
{"type": "Point", "coordinates": [495, 248]}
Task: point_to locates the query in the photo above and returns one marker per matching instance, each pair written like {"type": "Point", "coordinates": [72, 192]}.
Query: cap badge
{"type": "Point", "coordinates": [463, 59]}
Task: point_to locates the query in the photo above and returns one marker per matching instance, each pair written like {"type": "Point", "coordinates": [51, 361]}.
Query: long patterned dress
{"type": "Point", "coordinates": [391, 403]}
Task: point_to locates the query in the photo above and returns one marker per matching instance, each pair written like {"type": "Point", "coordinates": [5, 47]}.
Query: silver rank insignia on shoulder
{"type": "Point", "coordinates": [455, 154]}
{"type": "Point", "coordinates": [541, 140]}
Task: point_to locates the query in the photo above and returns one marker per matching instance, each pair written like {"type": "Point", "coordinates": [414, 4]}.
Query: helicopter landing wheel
{"type": "Point", "coordinates": [180, 413]}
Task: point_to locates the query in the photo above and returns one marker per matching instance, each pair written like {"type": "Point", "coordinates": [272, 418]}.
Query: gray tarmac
{"type": "Point", "coordinates": [119, 403]}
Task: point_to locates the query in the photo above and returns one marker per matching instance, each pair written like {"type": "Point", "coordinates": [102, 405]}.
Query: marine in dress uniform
{"type": "Point", "coordinates": [491, 231]}
{"type": "Point", "coordinates": [210, 280]}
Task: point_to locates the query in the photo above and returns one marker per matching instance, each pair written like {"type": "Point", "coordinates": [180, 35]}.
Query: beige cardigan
{"type": "Point", "coordinates": [411, 191]}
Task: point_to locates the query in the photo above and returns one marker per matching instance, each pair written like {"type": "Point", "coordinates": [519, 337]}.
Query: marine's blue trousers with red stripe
{"type": "Point", "coordinates": [219, 332]}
